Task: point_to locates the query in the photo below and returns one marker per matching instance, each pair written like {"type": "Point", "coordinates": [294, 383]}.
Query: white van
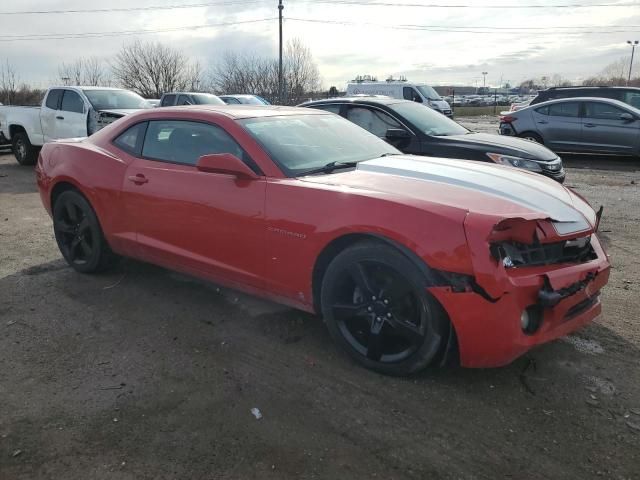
{"type": "Point", "coordinates": [417, 92]}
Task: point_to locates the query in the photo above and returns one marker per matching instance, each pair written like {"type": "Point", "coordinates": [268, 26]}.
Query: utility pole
{"type": "Point", "coordinates": [633, 50]}
{"type": "Point", "coordinates": [484, 83]}
{"type": "Point", "coordinates": [280, 84]}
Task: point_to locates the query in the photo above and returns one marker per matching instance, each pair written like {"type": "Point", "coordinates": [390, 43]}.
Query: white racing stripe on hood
{"type": "Point", "coordinates": [532, 191]}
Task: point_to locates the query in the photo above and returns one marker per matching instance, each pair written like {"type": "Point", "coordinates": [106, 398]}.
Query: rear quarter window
{"type": "Point", "coordinates": [131, 139]}
{"type": "Point", "coordinates": [53, 99]}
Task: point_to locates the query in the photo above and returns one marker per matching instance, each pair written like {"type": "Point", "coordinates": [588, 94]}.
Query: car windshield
{"type": "Point", "coordinates": [115, 99]}
{"type": "Point", "coordinates": [250, 101]}
{"type": "Point", "coordinates": [428, 120]}
{"type": "Point", "coordinates": [428, 92]}
{"type": "Point", "coordinates": [206, 99]}
{"type": "Point", "coordinates": [298, 143]}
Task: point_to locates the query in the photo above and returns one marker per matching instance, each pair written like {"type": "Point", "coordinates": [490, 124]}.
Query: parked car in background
{"type": "Point", "coordinates": [243, 99]}
{"type": "Point", "coordinates": [628, 95]}
{"type": "Point", "coordinates": [414, 92]}
{"type": "Point", "coordinates": [189, 98]}
{"type": "Point", "coordinates": [417, 130]}
{"type": "Point", "coordinates": [411, 261]}
{"type": "Point", "coordinates": [154, 102]}
{"type": "Point", "coordinates": [66, 112]}
{"type": "Point", "coordinates": [590, 125]}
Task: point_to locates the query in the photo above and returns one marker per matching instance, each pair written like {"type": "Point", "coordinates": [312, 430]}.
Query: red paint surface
{"type": "Point", "coordinates": [264, 235]}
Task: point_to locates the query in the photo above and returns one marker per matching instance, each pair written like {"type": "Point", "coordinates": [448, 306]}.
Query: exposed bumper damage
{"type": "Point", "coordinates": [544, 286]}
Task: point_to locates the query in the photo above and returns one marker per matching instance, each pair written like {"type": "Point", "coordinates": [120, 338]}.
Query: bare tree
{"type": "Point", "coordinates": [84, 71]}
{"type": "Point", "coordinates": [616, 74]}
{"type": "Point", "coordinates": [8, 83]}
{"type": "Point", "coordinates": [152, 69]}
{"type": "Point", "coordinates": [248, 73]}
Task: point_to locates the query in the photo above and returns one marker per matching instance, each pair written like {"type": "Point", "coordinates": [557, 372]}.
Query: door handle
{"type": "Point", "coordinates": [138, 179]}
{"type": "Point", "coordinates": [60, 118]}
{"type": "Point", "coordinates": [589, 125]}
{"type": "Point", "coordinates": [543, 122]}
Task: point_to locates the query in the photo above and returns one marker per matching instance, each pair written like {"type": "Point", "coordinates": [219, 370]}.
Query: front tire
{"type": "Point", "coordinates": [79, 235]}
{"type": "Point", "coordinates": [25, 153]}
{"type": "Point", "coordinates": [376, 307]}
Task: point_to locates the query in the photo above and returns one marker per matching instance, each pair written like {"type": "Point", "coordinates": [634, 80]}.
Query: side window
{"type": "Point", "coordinates": [168, 100]}
{"type": "Point", "coordinates": [53, 99]}
{"type": "Point", "coordinates": [131, 139]}
{"type": "Point", "coordinates": [329, 108]}
{"type": "Point", "coordinates": [410, 94]}
{"type": "Point", "coordinates": [632, 98]}
{"type": "Point", "coordinates": [184, 100]}
{"type": "Point", "coordinates": [231, 101]}
{"type": "Point", "coordinates": [543, 110]}
{"type": "Point", "coordinates": [567, 109]}
{"type": "Point", "coordinates": [71, 102]}
{"type": "Point", "coordinates": [185, 142]}
{"type": "Point", "coordinates": [374, 121]}
{"type": "Point", "coordinates": [602, 111]}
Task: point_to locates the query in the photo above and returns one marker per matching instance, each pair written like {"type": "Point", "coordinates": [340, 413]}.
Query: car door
{"type": "Point", "coordinates": [560, 125]}
{"type": "Point", "coordinates": [71, 118]}
{"type": "Point", "coordinates": [49, 112]}
{"type": "Point", "coordinates": [201, 222]}
{"type": "Point", "coordinates": [378, 122]}
{"type": "Point", "coordinates": [605, 131]}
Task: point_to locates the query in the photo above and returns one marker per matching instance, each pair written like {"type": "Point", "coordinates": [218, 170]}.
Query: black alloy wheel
{"type": "Point", "coordinates": [375, 302]}
{"type": "Point", "coordinates": [79, 235]}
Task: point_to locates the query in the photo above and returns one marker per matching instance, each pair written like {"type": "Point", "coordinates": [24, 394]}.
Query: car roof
{"type": "Point", "coordinates": [584, 99]}
{"type": "Point", "coordinates": [595, 87]}
{"type": "Point", "coordinates": [238, 95]}
{"type": "Point", "coordinates": [240, 111]}
{"type": "Point", "coordinates": [188, 93]}
{"type": "Point", "coordinates": [85, 87]}
{"type": "Point", "coordinates": [364, 99]}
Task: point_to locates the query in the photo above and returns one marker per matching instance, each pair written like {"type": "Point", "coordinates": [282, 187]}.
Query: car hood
{"type": "Point", "coordinates": [503, 144]}
{"type": "Point", "coordinates": [473, 187]}
{"type": "Point", "coordinates": [121, 112]}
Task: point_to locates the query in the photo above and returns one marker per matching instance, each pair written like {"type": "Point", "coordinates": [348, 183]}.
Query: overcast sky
{"type": "Point", "coordinates": [379, 39]}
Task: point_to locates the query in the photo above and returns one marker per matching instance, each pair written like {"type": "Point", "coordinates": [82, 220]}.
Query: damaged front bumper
{"type": "Point", "coordinates": [505, 312]}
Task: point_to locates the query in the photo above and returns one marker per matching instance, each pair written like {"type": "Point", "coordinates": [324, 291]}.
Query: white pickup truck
{"type": "Point", "coordinates": [66, 112]}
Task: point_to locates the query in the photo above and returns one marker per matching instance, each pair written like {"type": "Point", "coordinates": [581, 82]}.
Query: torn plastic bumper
{"type": "Point", "coordinates": [500, 313]}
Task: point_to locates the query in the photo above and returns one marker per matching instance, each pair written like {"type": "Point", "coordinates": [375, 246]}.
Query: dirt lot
{"type": "Point", "coordinates": [146, 374]}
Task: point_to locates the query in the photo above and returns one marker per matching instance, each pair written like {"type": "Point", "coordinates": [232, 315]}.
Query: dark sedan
{"type": "Point", "coordinates": [415, 129]}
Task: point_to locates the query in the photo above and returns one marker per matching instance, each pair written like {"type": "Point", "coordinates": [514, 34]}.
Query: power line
{"type": "Point", "coordinates": [132, 9]}
{"type": "Point", "coordinates": [444, 29]}
{"type": "Point", "coordinates": [476, 6]}
{"type": "Point", "coordinates": [333, 2]}
{"type": "Point", "coordinates": [65, 36]}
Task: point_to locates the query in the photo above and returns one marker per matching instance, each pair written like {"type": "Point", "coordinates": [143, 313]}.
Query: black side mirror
{"type": "Point", "coordinates": [397, 134]}
{"type": "Point", "coordinates": [627, 117]}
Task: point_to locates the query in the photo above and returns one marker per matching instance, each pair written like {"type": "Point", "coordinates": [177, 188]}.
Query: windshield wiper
{"type": "Point", "coordinates": [328, 168]}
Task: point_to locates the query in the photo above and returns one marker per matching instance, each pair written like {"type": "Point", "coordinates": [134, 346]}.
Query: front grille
{"type": "Point", "coordinates": [514, 254]}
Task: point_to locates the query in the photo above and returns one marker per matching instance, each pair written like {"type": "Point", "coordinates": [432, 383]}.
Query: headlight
{"type": "Point", "coordinates": [515, 162]}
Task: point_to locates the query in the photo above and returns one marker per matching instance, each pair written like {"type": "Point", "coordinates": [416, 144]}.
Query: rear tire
{"type": "Point", "coordinates": [25, 153]}
{"type": "Point", "coordinates": [532, 137]}
{"type": "Point", "coordinates": [376, 307]}
{"type": "Point", "coordinates": [79, 235]}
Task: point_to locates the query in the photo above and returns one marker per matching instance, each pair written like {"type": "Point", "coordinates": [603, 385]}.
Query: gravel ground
{"type": "Point", "coordinates": [142, 373]}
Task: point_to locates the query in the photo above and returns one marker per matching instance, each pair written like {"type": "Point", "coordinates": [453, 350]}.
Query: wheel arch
{"type": "Point", "coordinates": [448, 354]}
{"type": "Point", "coordinates": [338, 244]}
{"type": "Point", "coordinates": [16, 128]}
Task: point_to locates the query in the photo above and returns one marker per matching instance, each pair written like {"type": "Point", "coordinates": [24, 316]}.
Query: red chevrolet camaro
{"type": "Point", "coordinates": [412, 261]}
